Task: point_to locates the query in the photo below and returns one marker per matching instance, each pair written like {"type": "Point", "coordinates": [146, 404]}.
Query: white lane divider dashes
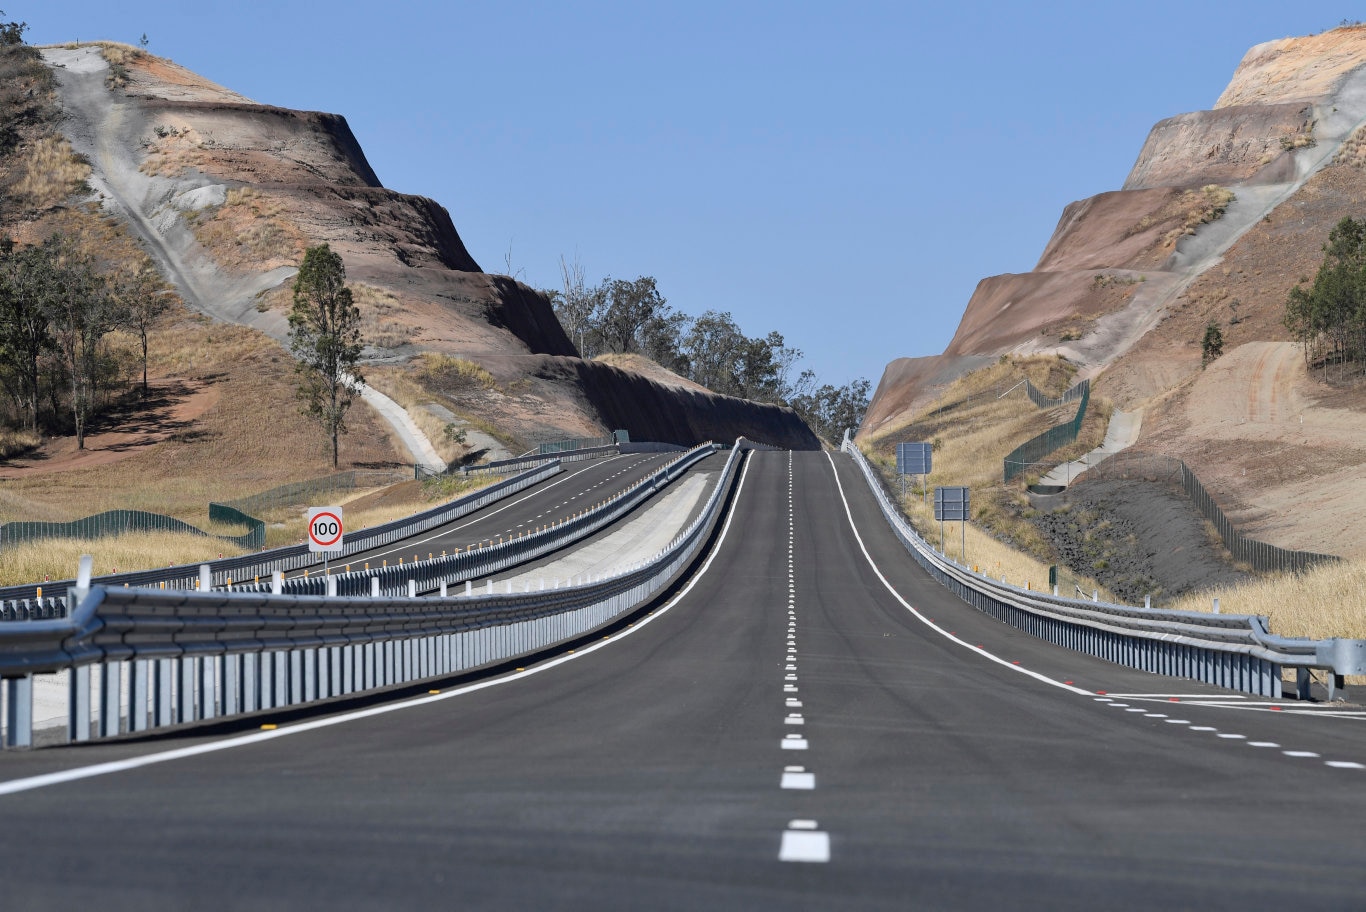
{"type": "Point", "coordinates": [803, 842]}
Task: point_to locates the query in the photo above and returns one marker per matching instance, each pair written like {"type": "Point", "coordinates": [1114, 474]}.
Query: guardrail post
{"type": "Point", "coordinates": [19, 711]}
{"type": "Point", "coordinates": [137, 697]}
{"type": "Point", "coordinates": [162, 704]}
{"type": "Point", "coordinates": [412, 588]}
{"type": "Point", "coordinates": [277, 582]}
{"type": "Point", "coordinates": [205, 577]}
{"type": "Point", "coordinates": [78, 704]}
{"type": "Point", "coordinates": [109, 699]}
{"type": "Point", "coordinates": [374, 587]}
{"type": "Point", "coordinates": [443, 589]}
{"type": "Point", "coordinates": [208, 706]}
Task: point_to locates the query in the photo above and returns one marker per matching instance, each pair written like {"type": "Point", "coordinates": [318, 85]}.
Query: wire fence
{"type": "Point", "coordinates": [1018, 461]}
{"type": "Point", "coordinates": [121, 522]}
{"type": "Point", "coordinates": [1169, 469]}
{"type": "Point", "coordinates": [1042, 400]}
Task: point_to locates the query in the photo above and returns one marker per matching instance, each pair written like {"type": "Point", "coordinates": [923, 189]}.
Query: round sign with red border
{"type": "Point", "coordinates": [325, 528]}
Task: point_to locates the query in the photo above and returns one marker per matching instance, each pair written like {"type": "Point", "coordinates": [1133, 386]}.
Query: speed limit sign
{"type": "Point", "coordinates": [325, 529]}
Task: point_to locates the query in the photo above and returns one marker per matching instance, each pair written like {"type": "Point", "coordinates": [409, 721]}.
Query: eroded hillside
{"type": "Point", "coordinates": [1222, 214]}
{"type": "Point", "coordinates": [226, 193]}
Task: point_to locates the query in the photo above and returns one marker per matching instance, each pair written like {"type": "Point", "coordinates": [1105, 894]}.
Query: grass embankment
{"type": "Point", "coordinates": [441, 380]}
{"type": "Point", "coordinates": [1325, 601]}
{"type": "Point", "coordinates": [58, 558]}
{"type": "Point", "coordinates": [249, 439]}
{"type": "Point", "coordinates": [972, 426]}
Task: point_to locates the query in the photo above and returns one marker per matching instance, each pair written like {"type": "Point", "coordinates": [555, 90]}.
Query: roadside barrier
{"type": "Point", "coordinates": [1227, 650]}
{"type": "Point", "coordinates": [120, 522]}
{"type": "Point", "coordinates": [292, 557]}
{"type": "Point", "coordinates": [194, 656]}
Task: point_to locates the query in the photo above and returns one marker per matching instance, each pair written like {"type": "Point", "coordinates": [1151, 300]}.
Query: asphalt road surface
{"type": "Point", "coordinates": [812, 724]}
{"type": "Point", "coordinates": [577, 488]}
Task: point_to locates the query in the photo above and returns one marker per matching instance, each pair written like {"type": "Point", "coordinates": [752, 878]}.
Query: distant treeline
{"type": "Point", "coordinates": [617, 316]}
{"type": "Point", "coordinates": [1329, 317]}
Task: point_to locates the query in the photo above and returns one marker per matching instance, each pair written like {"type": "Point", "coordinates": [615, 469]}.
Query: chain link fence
{"type": "Point", "coordinates": [1171, 470]}
{"type": "Point", "coordinates": [121, 522]}
{"type": "Point", "coordinates": [1018, 461]}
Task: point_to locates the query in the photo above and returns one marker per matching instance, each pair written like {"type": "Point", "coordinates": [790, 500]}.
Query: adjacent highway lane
{"type": "Point", "coordinates": [813, 724]}
{"type": "Point", "coordinates": [580, 486]}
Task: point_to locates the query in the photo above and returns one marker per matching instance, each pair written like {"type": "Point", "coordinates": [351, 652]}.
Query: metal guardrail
{"type": "Point", "coordinates": [191, 656]}
{"type": "Point", "coordinates": [1262, 556]}
{"type": "Point", "coordinates": [1227, 650]}
{"type": "Point", "coordinates": [292, 557]}
{"type": "Point", "coordinates": [424, 576]}
{"type": "Point", "coordinates": [503, 466]}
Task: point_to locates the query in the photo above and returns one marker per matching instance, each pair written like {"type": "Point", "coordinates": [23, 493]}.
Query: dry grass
{"type": "Point", "coordinates": [50, 173]}
{"type": "Point", "coordinates": [1325, 601]}
{"type": "Point", "coordinates": [376, 306]}
{"type": "Point", "coordinates": [1199, 207]}
{"type": "Point", "coordinates": [13, 442]}
{"type": "Point", "coordinates": [251, 229]}
{"type": "Point", "coordinates": [452, 375]}
{"type": "Point", "coordinates": [972, 428]}
{"type": "Point", "coordinates": [57, 558]}
{"type": "Point", "coordinates": [1353, 150]}
{"type": "Point", "coordinates": [253, 438]}
{"type": "Point", "coordinates": [403, 387]}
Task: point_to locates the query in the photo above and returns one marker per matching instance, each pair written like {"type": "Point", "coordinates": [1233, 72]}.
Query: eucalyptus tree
{"type": "Point", "coordinates": [325, 339]}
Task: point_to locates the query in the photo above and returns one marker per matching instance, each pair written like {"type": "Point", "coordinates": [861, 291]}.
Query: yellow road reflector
{"type": "Point", "coordinates": [433, 691]}
{"type": "Point", "coordinates": [269, 727]}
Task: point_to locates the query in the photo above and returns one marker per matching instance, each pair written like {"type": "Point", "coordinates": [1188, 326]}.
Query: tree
{"type": "Point", "coordinates": [1329, 318]}
{"type": "Point", "coordinates": [631, 310]}
{"type": "Point", "coordinates": [578, 306]}
{"type": "Point", "coordinates": [81, 312]}
{"type": "Point", "coordinates": [1212, 346]}
{"type": "Point", "coordinates": [11, 33]}
{"type": "Point", "coordinates": [143, 298]}
{"type": "Point", "coordinates": [325, 338]}
{"type": "Point", "coordinates": [26, 278]}
{"type": "Point", "coordinates": [831, 410]}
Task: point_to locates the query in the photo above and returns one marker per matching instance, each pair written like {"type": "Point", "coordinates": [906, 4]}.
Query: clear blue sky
{"type": "Point", "coordinates": [843, 173]}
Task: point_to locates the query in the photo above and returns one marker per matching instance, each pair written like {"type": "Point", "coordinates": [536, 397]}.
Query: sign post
{"type": "Point", "coordinates": [325, 530]}
{"type": "Point", "coordinates": [953, 504]}
{"type": "Point", "coordinates": [913, 459]}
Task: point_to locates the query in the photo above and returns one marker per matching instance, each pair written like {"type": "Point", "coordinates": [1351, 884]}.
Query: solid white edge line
{"type": "Point", "coordinates": [117, 766]}
{"type": "Point", "coordinates": [926, 621]}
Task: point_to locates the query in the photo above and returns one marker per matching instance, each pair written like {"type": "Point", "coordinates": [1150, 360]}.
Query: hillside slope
{"type": "Point", "coordinates": [226, 194]}
{"type": "Point", "coordinates": [1223, 213]}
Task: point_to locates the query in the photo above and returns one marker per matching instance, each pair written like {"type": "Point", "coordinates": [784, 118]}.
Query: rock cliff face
{"type": "Point", "coordinates": [227, 193]}
{"type": "Point", "coordinates": [1118, 263]}
{"type": "Point", "coordinates": [1224, 212]}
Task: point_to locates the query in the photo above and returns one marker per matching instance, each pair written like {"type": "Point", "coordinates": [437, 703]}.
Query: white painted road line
{"type": "Point", "coordinates": [803, 845]}
{"type": "Point", "coordinates": [796, 777]}
{"type": "Point", "coordinates": [1343, 764]}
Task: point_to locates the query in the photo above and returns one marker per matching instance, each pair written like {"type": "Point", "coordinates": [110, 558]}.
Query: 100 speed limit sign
{"type": "Point", "coordinates": [325, 528]}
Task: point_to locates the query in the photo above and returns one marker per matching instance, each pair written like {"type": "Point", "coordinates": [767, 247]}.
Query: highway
{"type": "Point", "coordinates": [810, 723]}
{"type": "Point", "coordinates": [580, 486]}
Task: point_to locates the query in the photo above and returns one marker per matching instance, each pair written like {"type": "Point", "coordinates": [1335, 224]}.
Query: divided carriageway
{"type": "Point", "coordinates": [808, 723]}
{"type": "Point", "coordinates": [580, 486]}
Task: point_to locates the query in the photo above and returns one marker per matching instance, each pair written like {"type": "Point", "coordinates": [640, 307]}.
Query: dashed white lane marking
{"type": "Point", "coordinates": [802, 842]}
{"type": "Point", "coordinates": [1262, 744]}
{"type": "Point", "coordinates": [1178, 722]}
{"type": "Point", "coordinates": [796, 777]}
{"type": "Point", "coordinates": [794, 719]}
{"type": "Point", "coordinates": [12, 786]}
{"type": "Point", "coordinates": [1343, 764]}
{"type": "Point", "coordinates": [794, 703]}
{"type": "Point", "coordinates": [1232, 737]}
{"type": "Point", "coordinates": [1230, 702]}
{"type": "Point", "coordinates": [790, 688]}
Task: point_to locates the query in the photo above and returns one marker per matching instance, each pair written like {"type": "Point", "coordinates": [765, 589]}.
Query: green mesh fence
{"type": "Point", "coordinates": [120, 522]}
{"type": "Point", "coordinates": [1168, 469]}
{"type": "Point", "coordinates": [312, 489]}
{"type": "Point", "coordinates": [1036, 448]}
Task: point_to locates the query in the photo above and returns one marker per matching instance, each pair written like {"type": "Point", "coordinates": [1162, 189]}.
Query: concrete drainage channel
{"type": "Point", "coordinates": [178, 657]}
{"type": "Point", "coordinates": [1226, 650]}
